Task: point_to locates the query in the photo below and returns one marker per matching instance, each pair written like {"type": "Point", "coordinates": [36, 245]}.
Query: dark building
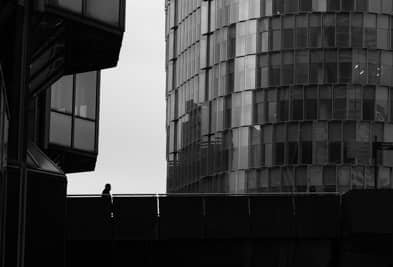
{"type": "Point", "coordinates": [51, 55]}
{"type": "Point", "coordinates": [278, 95]}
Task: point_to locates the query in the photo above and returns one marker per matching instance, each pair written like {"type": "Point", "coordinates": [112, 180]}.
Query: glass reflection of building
{"type": "Point", "coordinates": [287, 95]}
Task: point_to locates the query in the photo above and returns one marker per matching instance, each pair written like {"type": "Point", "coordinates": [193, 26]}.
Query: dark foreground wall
{"type": "Point", "coordinates": [261, 230]}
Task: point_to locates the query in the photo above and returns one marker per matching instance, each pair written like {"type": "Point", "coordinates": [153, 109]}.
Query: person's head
{"type": "Point", "coordinates": [108, 187]}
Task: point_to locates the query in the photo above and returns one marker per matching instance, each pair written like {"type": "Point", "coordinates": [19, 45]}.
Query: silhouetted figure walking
{"type": "Point", "coordinates": [106, 193]}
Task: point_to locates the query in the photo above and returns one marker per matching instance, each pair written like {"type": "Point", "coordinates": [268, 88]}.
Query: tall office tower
{"type": "Point", "coordinates": [51, 55]}
{"type": "Point", "coordinates": [278, 95]}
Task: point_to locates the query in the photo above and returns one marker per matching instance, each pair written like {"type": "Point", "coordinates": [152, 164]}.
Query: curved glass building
{"type": "Point", "coordinates": [278, 95]}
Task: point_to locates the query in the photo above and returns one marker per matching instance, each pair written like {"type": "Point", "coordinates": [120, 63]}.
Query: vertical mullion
{"type": "Point", "coordinates": [97, 118]}
{"type": "Point", "coordinates": [73, 109]}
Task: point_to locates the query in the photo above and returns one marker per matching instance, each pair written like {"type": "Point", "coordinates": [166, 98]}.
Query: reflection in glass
{"type": "Point", "coordinates": [85, 98]}
{"type": "Point", "coordinates": [106, 11]}
{"type": "Point", "coordinates": [60, 129]}
{"type": "Point", "coordinates": [84, 135]}
{"type": "Point", "coordinates": [72, 5]}
{"type": "Point", "coordinates": [61, 95]}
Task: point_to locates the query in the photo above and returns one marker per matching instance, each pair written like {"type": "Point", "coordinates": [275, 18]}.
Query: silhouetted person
{"type": "Point", "coordinates": [106, 194]}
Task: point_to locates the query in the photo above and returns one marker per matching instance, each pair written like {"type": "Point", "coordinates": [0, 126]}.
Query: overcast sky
{"type": "Point", "coordinates": [132, 118]}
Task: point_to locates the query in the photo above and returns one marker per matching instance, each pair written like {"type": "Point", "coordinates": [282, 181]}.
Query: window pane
{"type": "Point", "coordinates": [60, 129]}
{"type": "Point", "coordinates": [61, 96]}
{"type": "Point", "coordinates": [357, 30]}
{"type": "Point", "coordinates": [72, 5]}
{"type": "Point", "coordinates": [301, 31]}
{"type": "Point", "coordinates": [106, 11]}
{"type": "Point", "coordinates": [329, 179]}
{"type": "Point", "coordinates": [297, 103]}
{"type": "Point", "coordinates": [315, 31]}
{"type": "Point", "coordinates": [84, 135]}
{"type": "Point", "coordinates": [310, 104]}
{"type": "Point", "coordinates": [329, 30]}
{"type": "Point", "coordinates": [381, 104]}
{"type": "Point", "coordinates": [342, 29]}
{"type": "Point", "coordinates": [325, 103]}
{"type": "Point", "coordinates": [85, 98]}
{"type": "Point", "coordinates": [340, 103]}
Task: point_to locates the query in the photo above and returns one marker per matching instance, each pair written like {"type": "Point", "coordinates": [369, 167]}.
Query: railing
{"type": "Point", "coordinates": [110, 12]}
{"type": "Point", "coordinates": [163, 195]}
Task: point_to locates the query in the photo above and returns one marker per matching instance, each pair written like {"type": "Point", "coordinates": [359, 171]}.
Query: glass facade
{"type": "Point", "coordinates": [74, 101]}
{"type": "Point", "coordinates": [110, 12]}
{"type": "Point", "coordinates": [273, 95]}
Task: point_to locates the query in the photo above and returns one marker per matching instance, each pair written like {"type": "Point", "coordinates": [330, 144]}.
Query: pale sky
{"type": "Point", "coordinates": [132, 117]}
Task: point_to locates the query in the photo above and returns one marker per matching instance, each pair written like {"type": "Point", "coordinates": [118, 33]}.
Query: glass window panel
{"type": "Point", "coordinates": [315, 37]}
{"type": "Point", "coordinates": [357, 30]}
{"type": "Point", "coordinates": [368, 103]}
{"type": "Point", "coordinates": [331, 66]}
{"type": "Point", "coordinates": [315, 178]}
{"type": "Point", "coordinates": [301, 179]}
{"type": "Point", "coordinates": [387, 6]}
{"type": "Point", "coordinates": [386, 68]}
{"type": "Point", "coordinates": [84, 135]}
{"type": "Point", "coordinates": [329, 30]}
{"type": "Point", "coordinates": [369, 177]}
{"type": "Point", "coordinates": [287, 179]}
{"type": "Point", "coordinates": [374, 5]}
{"type": "Point", "coordinates": [288, 32]}
{"type": "Point", "coordinates": [302, 63]}
{"type": "Point", "coordinates": [345, 70]}
{"type": "Point", "coordinates": [361, 5]}
{"type": "Point", "coordinates": [344, 178]}
{"type": "Point", "coordinates": [301, 31]}
{"type": "Point", "coordinates": [297, 103]}
{"type": "Point", "coordinates": [334, 142]}
{"type": "Point", "coordinates": [272, 105]}
{"type": "Point", "coordinates": [325, 102]}
{"type": "Point", "coordinates": [340, 103]}
{"type": "Point", "coordinates": [287, 68]}
{"type": "Point", "coordinates": [278, 7]}
{"type": "Point", "coordinates": [60, 129]}
{"type": "Point", "coordinates": [85, 95]}
{"type": "Point", "coordinates": [283, 104]}
{"type": "Point", "coordinates": [354, 95]}
{"type": "Point", "coordinates": [106, 11]}
{"type": "Point", "coordinates": [371, 31]}
{"type": "Point", "coordinates": [290, 6]}
{"type": "Point", "coordinates": [329, 178]}
{"type": "Point", "coordinates": [275, 69]}
{"type": "Point", "coordinates": [383, 177]}
{"type": "Point", "coordinates": [359, 67]}
{"type": "Point", "coordinates": [306, 143]}
{"type": "Point", "coordinates": [61, 95]}
{"type": "Point", "coordinates": [333, 5]}
{"type": "Point", "coordinates": [310, 95]}
{"type": "Point", "coordinates": [350, 146]}
{"type": "Point", "coordinates": [306, 5]}
{"type": "Point", "coordinates": [260, 107]}
{"type": "Point", "coordinates": [381, 104]}
{"type": "Point", "coordinates": [72, 5]}
{"type": "Point", "coordinates": [342, 29]}
{"type": "Point", "coordinates": [275, 179]}
{"type": "Point", "coordinates": [357, 178]}
{"type": "Point", "coordinates": [316, 67]}
{"type": "Point", "coordinates": [348, 5]}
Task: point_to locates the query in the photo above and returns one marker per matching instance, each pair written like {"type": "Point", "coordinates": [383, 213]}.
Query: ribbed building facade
{"type": "Point", "coordinates": [278, 95]}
